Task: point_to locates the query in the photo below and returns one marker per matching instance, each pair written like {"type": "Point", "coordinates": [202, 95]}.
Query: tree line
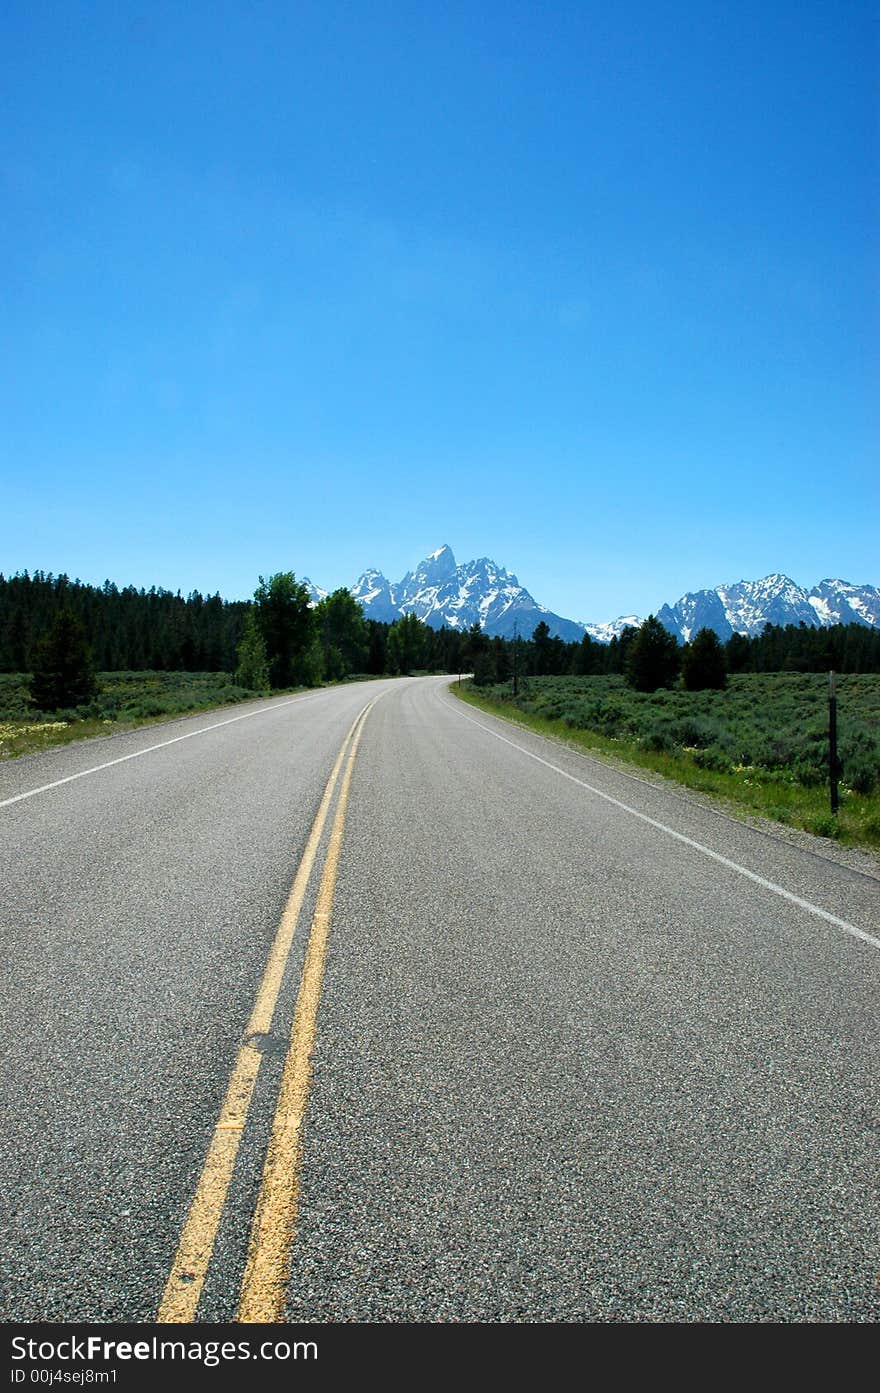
{"type": "Point", "coordinates": [63, 631]}
{"type": "Point", "coordinates": [135, 630]}
{"type": "Point", "coordinates": [127, 630]}
{"type": "Point", "coordinates": [650, 656]}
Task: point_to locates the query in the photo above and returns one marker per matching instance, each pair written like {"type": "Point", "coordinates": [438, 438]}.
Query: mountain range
{"type": "Point", "coordinates": [441, 592]}
{"type": "Point", "coordinates": [746, 607]}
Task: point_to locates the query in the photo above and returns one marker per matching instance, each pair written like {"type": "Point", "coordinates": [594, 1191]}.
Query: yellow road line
{"type": "Point", "coordinates": [187, 1277]}
{"type": "Point", "coordinates": [264, 1287]}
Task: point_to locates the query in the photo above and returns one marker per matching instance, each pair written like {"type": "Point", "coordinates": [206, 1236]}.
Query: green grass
{"type": "Point", "coordinates": [125, 700]}
{"type": "Point", "coordinates": [762, 745]}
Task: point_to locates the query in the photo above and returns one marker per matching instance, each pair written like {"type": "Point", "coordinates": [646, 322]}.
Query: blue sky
{"type": "Point", "coordinates": [587, 288]}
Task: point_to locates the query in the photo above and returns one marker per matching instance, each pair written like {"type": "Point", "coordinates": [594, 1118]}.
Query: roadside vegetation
{"type": "Point", "coordinates": [761, 742]}
{"type": "Point", "coordinates": [122, 701]}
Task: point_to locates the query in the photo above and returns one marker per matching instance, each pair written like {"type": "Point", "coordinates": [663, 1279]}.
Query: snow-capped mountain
{"type": "Point", "coordinates": [604, 633]}
{"type": "Point", "coordinates": [440, 592]}
{"type": "Point", "coordinates": [839, 602]}
{"type": "Point", "coordinates": [375, 594]}
{"type": "Point", "coordinates": [315, 593]}
{"type": "Point", "coordinates": [746, 607]}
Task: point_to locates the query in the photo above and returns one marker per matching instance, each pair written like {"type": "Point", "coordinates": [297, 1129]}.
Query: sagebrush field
{"type": "Point", "coordinates": [124, 699]}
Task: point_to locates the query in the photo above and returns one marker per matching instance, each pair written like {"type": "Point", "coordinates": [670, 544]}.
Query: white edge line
{"type": "Point", "coordinates": [680, 837]}
{"type": "Point", "coordinates": [136, 754]}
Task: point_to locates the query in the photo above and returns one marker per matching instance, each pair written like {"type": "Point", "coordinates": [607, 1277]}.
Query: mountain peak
{"type": "Point", "coordinates": [436, 568]}
{"type": "Point", "coordinates": [316, 594]}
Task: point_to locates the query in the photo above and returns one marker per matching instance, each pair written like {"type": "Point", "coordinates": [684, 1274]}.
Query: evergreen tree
{"type": "Point", "coordinates": [653, 657]}
{"type": "Point", "coordinates": [502, 657]}
{"type": "Point", "coordinates": [738, 650]}
{"type": "Point", "coordinates": [253, 662]}
{"type": "Point", "coordinates": [558, 656]}
{"type": "Point", "coordinates": [447, 650]}
{"type": "Point", "coordinates": [618, 650]}
{"type": "Point", "coordinates": [541, 650]}
{"type": "Point", "coordinates": [586, 659]}
{"type": "Point", "coordinates": [474, 645]}
{"type": "Point", "coordinates": [702, 663]}
{"type": "Point", "coordinates": [485, 667]}
{"type": "Point", "coordinates": [407, 644]}
{"type": "Point", "coordinates": [63, 671]}
{"type": "Point", "coordinates": [378, 637]}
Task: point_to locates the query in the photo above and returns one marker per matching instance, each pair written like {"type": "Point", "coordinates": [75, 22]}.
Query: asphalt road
{"type": "Point", "coordinates": [585, 1050]}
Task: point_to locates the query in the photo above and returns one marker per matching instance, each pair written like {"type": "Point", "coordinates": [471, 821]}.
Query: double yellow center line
{"type": "Point", "coordinates": [266, 1275]}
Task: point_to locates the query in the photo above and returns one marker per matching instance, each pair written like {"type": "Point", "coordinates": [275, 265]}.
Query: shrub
{"type": "Point", "coordinates": [861, 775]}
{"type": "Point", "coordinates": [697, 733]}
{"type": "Point", "coordinates": [611, 717]}
{"type": "Point", "coordinates": [713, 757]}
{"type": "Point", "coordinates": [809, 771]}
{"type": "Point", "coordinates": [823, 825]}
{"type": "Point", "coordinates": [576, 717]}
{"type": "Point", "coordinates": [658, 738]}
